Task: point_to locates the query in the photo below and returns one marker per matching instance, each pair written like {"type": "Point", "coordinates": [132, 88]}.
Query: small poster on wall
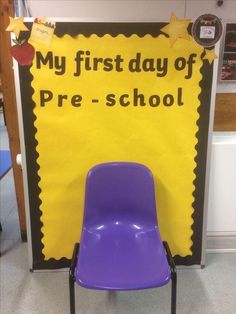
{"type": "Point", "coordinates": [228, 68]}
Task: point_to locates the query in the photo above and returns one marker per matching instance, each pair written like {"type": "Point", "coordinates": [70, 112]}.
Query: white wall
{"type": "Point", "coordinates": [150, 9]}
{"type": "Point", "coordinates": [113, 9]}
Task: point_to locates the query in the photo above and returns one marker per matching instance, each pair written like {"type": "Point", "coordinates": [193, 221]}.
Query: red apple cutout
{"type": "Point", "coordinates": [23, 53]}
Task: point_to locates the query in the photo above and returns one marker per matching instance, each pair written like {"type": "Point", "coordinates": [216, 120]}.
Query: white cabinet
{"type": "Point", "coordinates": [222, 189]}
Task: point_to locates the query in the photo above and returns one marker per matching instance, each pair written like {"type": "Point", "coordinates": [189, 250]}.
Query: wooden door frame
{"type": "Point", "coordinates": [10, 107]}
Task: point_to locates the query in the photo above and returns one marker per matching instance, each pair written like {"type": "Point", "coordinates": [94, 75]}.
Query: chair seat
{"type": "Point", "coordinates": [117, 257]}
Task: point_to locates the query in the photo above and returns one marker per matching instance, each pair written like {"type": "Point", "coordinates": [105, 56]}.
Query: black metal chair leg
{"type": "Point", "coordinates": [72, 278]}
{"type": "Point", "coordinates": [173, 277]}
{"type": "Point", "coordinates": [173, 293]}
{"type": "Point", "coordinates": [72, 295]}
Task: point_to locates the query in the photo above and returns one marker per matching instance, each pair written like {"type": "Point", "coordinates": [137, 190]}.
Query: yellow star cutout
{"type": "Point", "coordinates": [210, 55]}
{"type": "Point", "coordinates": [177, 28]}
{"type": "Point", "coordinates": [16, 26]}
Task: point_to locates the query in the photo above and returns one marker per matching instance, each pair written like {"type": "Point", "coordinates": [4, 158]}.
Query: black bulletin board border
{"type": "Point", "coordinates": [101, 28]}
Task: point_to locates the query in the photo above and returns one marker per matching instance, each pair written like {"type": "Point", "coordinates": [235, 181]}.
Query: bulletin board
{"type": "Point", "coordinates": [103, 92]}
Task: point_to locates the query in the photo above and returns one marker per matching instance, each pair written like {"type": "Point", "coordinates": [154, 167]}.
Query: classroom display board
{"type": "Point", "coordinates": [103, 92]}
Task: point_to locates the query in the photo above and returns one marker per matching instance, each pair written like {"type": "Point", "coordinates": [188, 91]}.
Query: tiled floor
{"type": "Point", "coordinates": [208, 291]}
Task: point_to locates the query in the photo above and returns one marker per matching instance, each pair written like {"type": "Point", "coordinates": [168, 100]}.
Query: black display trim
{"type": "Point", "coordinates": [114, 29]}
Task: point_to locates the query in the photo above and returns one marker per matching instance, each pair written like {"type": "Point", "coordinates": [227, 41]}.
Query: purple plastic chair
{"type": "Point", "coordinates": [120, 246]}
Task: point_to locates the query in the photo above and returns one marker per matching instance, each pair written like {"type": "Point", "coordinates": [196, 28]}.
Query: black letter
{"type": "Point", "coordinates": [111, 100]}
{"type": "Point", "coordinates": [180, 63]}
{"type": "Point", "coordinates": [138, 97]}
{"type": "Point", "coordinates": [87, 61]}
{"type": "Point", "coordinates": [60, 98]}
{"type": "Point", "coordinates": [108, 66]}
{"type": "Point", "coordinates": [40, 58]}
{"type": "Point", "coordinates": [45, 95]}
{"type": "Point", "coordinates": [122, 102]}
{"type": "Point", "coordinates": [180, 103]}
{"type": "Point", "coordinates": [78, 60]}
{"type": "Point", "coordinates": [75, 100]}
{"type": "Point", "coordinates": [148, 65]}
{"type": "Point", "coordinates": [154, 101]}
{"type": "Point", "coordinates": [162, 68]}
{"type": "Point", "coordinates": [134, 64]}
{"type": "Point", "coordinates": [168, 100]}
{"type": "Point", "coordinates": [96, 61]}
{"type": "Point", "coordinates": [60, 66]}
{"type": "Point", "coordinates": [190, 65]}
{"type": "Point", "coordinates": [118, 60]}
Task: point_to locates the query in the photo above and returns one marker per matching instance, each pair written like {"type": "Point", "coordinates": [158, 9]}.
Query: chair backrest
{"type": "Point", "coordinates": [122, 192]}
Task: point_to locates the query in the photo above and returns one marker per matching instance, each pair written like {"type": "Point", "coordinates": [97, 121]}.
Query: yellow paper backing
{"type": "Point", "coordinates": [72, 140]}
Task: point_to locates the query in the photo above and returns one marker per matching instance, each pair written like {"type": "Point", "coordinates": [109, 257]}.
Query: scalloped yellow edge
{"type": "Point", "coordinates": [71, 140]}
